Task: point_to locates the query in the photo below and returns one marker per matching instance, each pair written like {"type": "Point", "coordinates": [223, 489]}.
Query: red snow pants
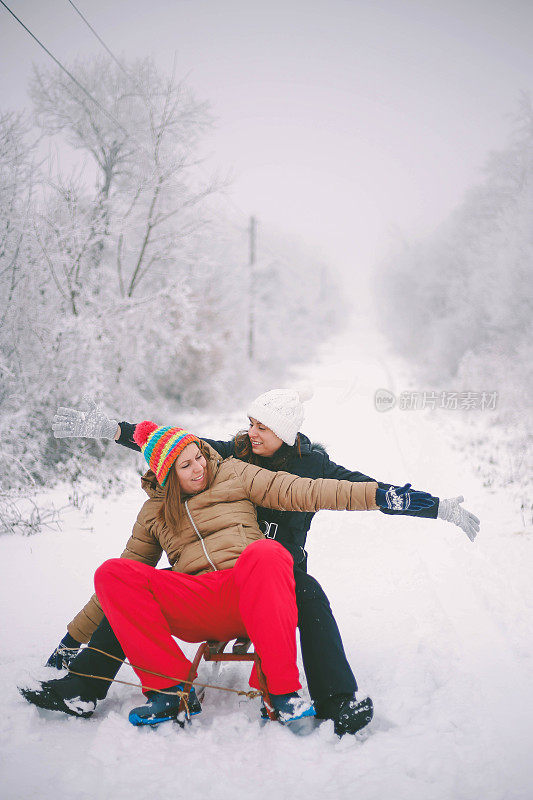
{"type": "Point", "coordinates": [255, 598]}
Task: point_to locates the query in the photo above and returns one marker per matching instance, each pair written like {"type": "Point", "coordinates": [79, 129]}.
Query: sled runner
{"type": "Point", "coordinates": [215, 651]}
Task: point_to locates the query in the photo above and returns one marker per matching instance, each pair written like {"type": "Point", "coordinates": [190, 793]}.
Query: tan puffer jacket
{"type": "Point", "coordinates": [224, 520]}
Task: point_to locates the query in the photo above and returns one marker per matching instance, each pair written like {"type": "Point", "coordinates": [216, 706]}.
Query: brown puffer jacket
{"type": "Point", "coordinates": [224, 520]}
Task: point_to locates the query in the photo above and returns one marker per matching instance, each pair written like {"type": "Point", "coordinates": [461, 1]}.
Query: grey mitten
{"type": "Point", "coordinates": [89, 421]}
{"type": "Point", "coordinates": [450, 510]}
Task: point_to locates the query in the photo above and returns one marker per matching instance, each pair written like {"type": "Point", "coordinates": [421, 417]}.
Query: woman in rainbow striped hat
{"type": "Point", "coordinates": [227, 580]}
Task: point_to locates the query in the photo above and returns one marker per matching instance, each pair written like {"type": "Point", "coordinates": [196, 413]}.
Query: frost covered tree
{"type": "Point", "coordinates": [460, 303]}
{"type": "Point", "coordinates": [16, 190]}
{"type": "Point", "coordinates": [293, 289]}
{"type": "Point", "coordinates": [143, 151]}
{"type": "Point", "coordinates": [467, 288]}
{"type": "Point", "coordinates": [17, 184]}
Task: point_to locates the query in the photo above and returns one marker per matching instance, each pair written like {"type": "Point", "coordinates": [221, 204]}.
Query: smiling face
{"type": "Point", "coordinates": [264, 441]}
{"type": "Point", "coordinates": [191, 469]}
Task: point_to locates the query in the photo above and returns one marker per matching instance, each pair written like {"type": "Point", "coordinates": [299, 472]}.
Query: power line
{"type": "Point", "coordinates": [66, 71]}
{"type": "Point", "coordinates": [115, 59]}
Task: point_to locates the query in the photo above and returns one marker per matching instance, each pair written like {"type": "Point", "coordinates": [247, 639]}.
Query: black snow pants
{"type": "Point", "coordinates": [325, 664]}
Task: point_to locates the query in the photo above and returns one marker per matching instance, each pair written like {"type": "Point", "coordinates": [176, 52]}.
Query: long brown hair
{"type": "Point", "coordinates": [172, 508]}
{"type": "Point", "coordinates": [280, 459]}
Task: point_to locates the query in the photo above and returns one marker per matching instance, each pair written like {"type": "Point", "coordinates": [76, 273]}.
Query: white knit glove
{"type": "Point", "coordinates": [89, 421]}
{"type": "Point", "coordinates": [450, 510]}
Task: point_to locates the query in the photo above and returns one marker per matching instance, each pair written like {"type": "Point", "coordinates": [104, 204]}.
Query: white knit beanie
{"type": "Point", "coordinates": [281, 410]}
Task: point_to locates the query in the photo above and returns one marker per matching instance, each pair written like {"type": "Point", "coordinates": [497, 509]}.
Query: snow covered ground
{"type": "Point", "coordinates": [437, 629]}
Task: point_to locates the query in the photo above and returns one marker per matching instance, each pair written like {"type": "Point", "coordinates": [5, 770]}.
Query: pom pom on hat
{"type": "Point", "coordinates": [305, 393]}
{"type": "Point", "coordinates": [281, 410]}
{"type": "Point", "coordinates": [161, 446]}
{"type": "Point", "coordinates": [142, 432]}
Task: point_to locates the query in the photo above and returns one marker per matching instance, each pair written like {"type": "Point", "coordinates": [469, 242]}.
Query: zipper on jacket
{"type": "Point", "coordinates": [197, 532]}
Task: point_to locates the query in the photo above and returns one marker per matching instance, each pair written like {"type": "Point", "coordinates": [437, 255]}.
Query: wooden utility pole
{"type": "Point", "coordinates": [251, 300]}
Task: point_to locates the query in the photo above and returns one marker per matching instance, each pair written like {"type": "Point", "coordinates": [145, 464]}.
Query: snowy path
{"type": "Point", "coordinates": [436, 628]}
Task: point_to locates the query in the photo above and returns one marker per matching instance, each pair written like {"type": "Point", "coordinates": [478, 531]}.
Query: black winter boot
{"type": "Point", "coordinates": [70, 695]}
{"type": "Point", "coordinates": [349, 715]}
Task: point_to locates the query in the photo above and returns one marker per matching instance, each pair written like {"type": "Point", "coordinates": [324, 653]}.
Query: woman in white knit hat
{"type": "Point", "coordinates": [280, 410]}
{"type": "Point", "coordinates": [273, 440]}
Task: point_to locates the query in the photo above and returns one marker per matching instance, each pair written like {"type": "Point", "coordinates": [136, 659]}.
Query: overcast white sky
{"type": "Point", "coordinates": [342, 121]}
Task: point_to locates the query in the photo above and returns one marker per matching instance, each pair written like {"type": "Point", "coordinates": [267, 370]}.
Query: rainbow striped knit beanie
{"type": "Point", "coordinates": [162, 446]}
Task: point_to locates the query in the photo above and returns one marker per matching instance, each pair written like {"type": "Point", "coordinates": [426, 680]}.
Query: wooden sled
{"type": "Point", "coordinates": [215, 651]}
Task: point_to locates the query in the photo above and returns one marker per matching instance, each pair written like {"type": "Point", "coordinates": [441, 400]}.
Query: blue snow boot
{"type": "Point", "coordinates": [161, 707]}
{"type": "Point", "coordinates": [294, 712]}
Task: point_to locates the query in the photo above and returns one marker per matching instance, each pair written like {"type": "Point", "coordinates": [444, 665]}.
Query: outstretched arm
{"type": "Point", "coordinates": [90, 421]}
{"type": "Point", "coordinates": [332, 470]}
{"type": "Point", "coordinates": [448, 510]}
{"type": "Point", "coordinates": [284, 491]}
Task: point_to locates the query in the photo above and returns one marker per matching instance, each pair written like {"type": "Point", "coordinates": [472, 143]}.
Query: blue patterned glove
{"type": "Point", "coordinates": [64, 653]}
{"type": "Point", "coordinates": [400, 498]}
